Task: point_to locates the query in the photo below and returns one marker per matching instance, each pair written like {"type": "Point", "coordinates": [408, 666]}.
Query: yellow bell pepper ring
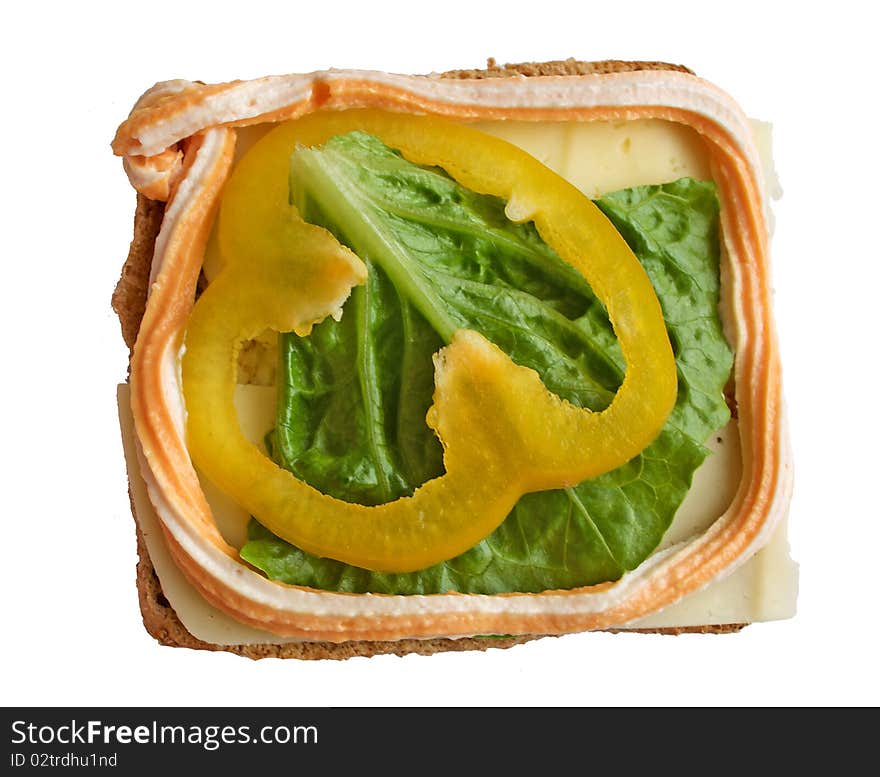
{"type": "Point", "coordinates": [504, 434]}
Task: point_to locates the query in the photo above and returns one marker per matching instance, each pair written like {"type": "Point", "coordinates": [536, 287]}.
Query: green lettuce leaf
{"type": "Point", "coordinates": [353, 395]}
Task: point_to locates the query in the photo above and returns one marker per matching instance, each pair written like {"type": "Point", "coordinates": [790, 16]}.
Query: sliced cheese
{"type": "Point", "coordinates": [604, 156]}
{"type": "Point", "coordinates": [597, 157]}
{"type": "Point", "coordinates": [763, 589]}
{"type": "Point", "coordinates": [203, 621]}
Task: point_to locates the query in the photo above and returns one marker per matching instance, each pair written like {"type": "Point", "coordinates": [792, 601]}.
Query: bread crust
{"type": "Point", "coordinates": [130, 295]}
{"type": "Point", "coordinates": [129, 302]}
{"type": "Point", "coordinates": [561, 67]}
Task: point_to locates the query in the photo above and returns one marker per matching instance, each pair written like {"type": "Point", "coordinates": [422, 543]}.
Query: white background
{"type": "Point", "coordinates": [71, 71]}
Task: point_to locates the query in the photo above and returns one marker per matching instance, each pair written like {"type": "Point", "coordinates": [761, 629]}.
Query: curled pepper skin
{"type": "Point", "coordinates": [503, 433]}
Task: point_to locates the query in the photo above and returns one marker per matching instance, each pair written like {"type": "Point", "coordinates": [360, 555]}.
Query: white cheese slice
{"type": "Point", "coordinates": [604, 156]}
{"type": "Point", "coordinates": [765, 588]}
{"type": "Point", "coordinates": [203, 621]}
{"type": "Point", "coordinates": [597, 157]}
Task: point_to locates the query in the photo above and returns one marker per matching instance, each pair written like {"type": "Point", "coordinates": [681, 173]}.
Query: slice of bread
{"type": "Point", "coordinates": [129, 301]}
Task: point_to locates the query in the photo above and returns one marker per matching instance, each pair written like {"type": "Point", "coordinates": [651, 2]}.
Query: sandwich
{"type": "Point", "coordinates": [447, 362]}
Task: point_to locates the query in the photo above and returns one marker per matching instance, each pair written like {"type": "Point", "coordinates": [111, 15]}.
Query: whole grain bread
{"type": "Point", "coordinates": [129, 302]}
{"type": "Point", "coordinates": [560, 67]}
